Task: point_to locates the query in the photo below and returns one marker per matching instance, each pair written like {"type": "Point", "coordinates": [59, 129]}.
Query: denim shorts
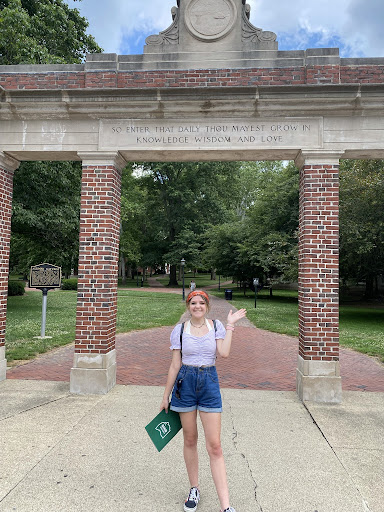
{"type": "Point", "coordinates": [196, 388]}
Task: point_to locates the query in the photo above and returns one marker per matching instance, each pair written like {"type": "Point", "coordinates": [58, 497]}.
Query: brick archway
{"type": "Point", "coordinates": [252, 104]}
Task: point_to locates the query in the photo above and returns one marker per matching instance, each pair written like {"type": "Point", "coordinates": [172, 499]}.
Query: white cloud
{"type": "Point", "coordinates": [364, 26]}
{"type": "Point", "coordinates": [110, 21]}
{"type": "Point", "coordinates": [355, 25]}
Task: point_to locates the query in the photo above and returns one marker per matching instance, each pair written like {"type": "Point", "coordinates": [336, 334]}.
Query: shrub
{"type": "Point", "coordinates": [16, 288]}
{"type": "Point", "coordinates": [69, 284]}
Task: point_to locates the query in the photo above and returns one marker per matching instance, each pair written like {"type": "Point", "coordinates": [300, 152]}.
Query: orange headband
{"type": "Point", "coordinates": [197, 292]}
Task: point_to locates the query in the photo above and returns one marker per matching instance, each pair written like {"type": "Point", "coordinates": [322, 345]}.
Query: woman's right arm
{"type": "Point", "coordinates": [172, 374]}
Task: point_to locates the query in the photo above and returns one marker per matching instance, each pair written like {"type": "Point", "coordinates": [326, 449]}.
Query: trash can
{"type": "Point", "coordinates": [228, 294]}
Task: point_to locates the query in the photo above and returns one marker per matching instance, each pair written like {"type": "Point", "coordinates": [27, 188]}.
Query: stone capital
{"type": "Point", "coordinates": [318, 157]}
{"type": "Point", "coordinates": [103, 158]}
{"type": "Point", "coordinates": [7, 162]}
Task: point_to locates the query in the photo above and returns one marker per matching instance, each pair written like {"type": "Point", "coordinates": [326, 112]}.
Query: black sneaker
{"type": "Point", "coordinates": [193, 499]}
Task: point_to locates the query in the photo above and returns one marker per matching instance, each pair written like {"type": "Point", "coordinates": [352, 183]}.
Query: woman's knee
{"type": "Point", "coordinates": [190, 439]}
{"type": "Point", "coordinates": [214, 449]}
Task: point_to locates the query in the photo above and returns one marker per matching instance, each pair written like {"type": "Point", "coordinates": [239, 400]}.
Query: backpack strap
{"type": "Point", "coordinates": [181, 341]}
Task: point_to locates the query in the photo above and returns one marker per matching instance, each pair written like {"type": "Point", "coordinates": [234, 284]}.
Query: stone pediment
{"type": "Point", "coordinates": [213, 29]}
{"type": "Point", "coordinates": [211, 21]}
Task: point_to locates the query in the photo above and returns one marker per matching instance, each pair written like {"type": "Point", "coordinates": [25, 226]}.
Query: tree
{"type": "Point", "coordinates": [272, 222]}
{"type": "Point", "coordinates": [362, 221]}
{"type": "Point", "coordinates": [46, 199]}
{"type": "Point", "coordinates": [45, 218]}
{"type": "Point", "coordinates": [262, 241]}
{"type": "Point", "coordinates": [184, 199]}
{"type": "Point", "coordinates": [43, 32]}
{"type": "Point", "coordinates": [224, 250]}
{"type": "Point", "coordinates": [133, 214]}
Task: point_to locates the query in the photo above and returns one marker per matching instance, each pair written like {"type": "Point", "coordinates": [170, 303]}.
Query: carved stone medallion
{"type": "Point", "coordinates": [210, 20]}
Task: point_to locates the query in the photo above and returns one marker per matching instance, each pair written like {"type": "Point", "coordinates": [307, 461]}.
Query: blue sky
{"type": "Point", "coordinates": [354, 26]}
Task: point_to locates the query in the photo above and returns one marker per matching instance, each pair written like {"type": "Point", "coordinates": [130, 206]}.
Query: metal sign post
{"type": "Point", "coordinates": [255, 284]}
{"type": "Point", "coordinates": [45, 277]}
{"type": "Point", "coordinates": [44, 312]}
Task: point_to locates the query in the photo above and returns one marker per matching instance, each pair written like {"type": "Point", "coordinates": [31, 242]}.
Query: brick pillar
{"type": "Point", "coordinates": [318, 373]}
{"type": "Point", "coordinates": [94, 367]}
{"type": "Point", "coordinates": [7, 167]}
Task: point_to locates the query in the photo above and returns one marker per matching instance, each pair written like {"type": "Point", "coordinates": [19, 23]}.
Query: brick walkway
{"type": "Point", "coordinates": [259, 360]}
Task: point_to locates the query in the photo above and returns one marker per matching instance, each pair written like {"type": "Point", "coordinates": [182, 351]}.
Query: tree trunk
{"type": "Point", "coordinates": [369, 287]}
{"type": "Point", "coordinates": [213, 274]}
{"type": "Point", "coordinates": [173, 276]}
{"type": "Point", "coordinates": [123, 274]}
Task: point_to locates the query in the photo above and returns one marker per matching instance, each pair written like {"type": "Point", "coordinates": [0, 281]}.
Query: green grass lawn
{"type": "Point", "coordinates": [361, 328]}
{"type": "Point", "coordinates": [132, 283]}
{"type": "Point", "coordinates": [136, 310]}
{"type": "Point", "coordinates": [201, 280]}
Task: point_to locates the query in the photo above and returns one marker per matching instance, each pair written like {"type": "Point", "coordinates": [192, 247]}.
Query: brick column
{"type": "Point", "coordinates": [94, 367]}
{"type": "Point", "coordinates": [318, 373]}
{"type": "Point", "coordinates": [7, 167]}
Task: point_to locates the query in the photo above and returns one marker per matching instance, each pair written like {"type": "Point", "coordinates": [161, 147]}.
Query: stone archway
{"type": "Point", "coordinates": [195, 95]}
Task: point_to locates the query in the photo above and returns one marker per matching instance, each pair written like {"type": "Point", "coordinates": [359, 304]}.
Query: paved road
{"type": "Point", "coordinates": [260, 360]}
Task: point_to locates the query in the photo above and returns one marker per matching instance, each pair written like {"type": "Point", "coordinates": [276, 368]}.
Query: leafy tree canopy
{"type": "Point", "coordinates": [362, 221]}
{"type": "Point", "coordinates": [183, 200]}
{"type": "Point", "coordinates": [43, 32]}
{"type": "Point", "coordinates": [45, 217]}
{"type": "Point", "coordinates": [262, 241]}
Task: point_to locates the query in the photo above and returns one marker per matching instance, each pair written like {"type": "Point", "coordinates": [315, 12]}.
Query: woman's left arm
{"type": "Point", "coordinates": [224, 345]}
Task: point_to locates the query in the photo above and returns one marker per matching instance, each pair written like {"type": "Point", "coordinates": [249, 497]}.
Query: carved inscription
{"type": "Point", "coordinates": [298, 133]}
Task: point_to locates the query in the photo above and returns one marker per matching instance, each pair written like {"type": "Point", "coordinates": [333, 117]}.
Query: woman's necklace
{"type": "Point", "coordinates": [197, 326]}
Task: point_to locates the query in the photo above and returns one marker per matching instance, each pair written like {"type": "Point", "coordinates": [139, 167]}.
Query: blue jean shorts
{"type": "Point", "coordinates": [196, 388]}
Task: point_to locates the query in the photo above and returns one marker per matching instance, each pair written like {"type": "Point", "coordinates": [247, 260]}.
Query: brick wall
{"type": "Point", "coordinates": [318, 263]}
{"type": "Point", "coordinates": [313, 75]}
{"type": "Point", "coordinates": [98, 259]}
{"type": "Point", "coordinates": [6, 188]}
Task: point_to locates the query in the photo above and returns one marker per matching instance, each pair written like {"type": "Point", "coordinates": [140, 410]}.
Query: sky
{"type": "Point", "coordinates": [354, 26]}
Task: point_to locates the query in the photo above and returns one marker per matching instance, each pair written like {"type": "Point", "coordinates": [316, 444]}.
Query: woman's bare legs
{"type": "Point", "coordinates": [189, 424]}
{"type": "Point", "coordinates": [212, 428]}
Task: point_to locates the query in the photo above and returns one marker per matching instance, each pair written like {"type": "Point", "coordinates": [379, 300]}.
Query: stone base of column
{"type": "Point", "coordinates": [93, 374]}
{"type": "Point", "coordinates": [3, 364]}
{"type": "Point", "coordinates": [318, 381]}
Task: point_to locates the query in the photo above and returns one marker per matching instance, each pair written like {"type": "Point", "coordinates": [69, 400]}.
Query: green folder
{"type": "Point", "coordinates": [163, 428]}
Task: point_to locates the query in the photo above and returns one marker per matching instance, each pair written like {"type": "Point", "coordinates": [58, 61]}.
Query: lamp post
{"type": "Point", "coordinates": [255, 284]}
{"type": "Point", "coordinates": [182, 263]}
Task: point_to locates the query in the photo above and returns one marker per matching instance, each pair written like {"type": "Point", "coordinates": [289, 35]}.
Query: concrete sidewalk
{"type": "Point", "coordinates": [66, 453]}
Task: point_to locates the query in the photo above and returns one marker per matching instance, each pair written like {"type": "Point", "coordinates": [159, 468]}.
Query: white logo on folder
{"type": "Point", "coordinates": [164, 428]}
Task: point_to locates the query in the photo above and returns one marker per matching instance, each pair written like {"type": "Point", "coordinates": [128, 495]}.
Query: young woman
{"type": "Point", "coordinates": [193, 377]}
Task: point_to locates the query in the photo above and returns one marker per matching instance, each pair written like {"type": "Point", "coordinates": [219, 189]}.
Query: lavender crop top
{"type": "Point", "coordinates": [198, 350]}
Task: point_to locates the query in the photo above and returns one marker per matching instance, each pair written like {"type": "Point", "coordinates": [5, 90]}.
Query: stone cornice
{"type": "Point", "coordinates": [346, 100]}
{"type": "Point", "coordinates": [263, 58]}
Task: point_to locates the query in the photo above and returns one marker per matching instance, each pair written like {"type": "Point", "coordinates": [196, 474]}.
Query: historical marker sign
{"type": "Point", "coordinates": [45, 275]}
